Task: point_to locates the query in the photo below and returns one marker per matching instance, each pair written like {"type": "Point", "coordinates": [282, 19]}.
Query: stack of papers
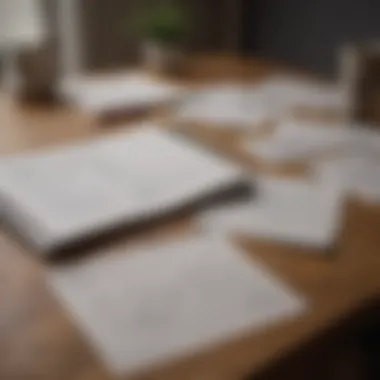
{"type": "Point", "coordinates": [61, 196]}
{"type": "Point", "coordinates": [227, 106]}
{"type": "Point", "coordinates": [290, 211]}
{"type": "Point", "coordinates": [144, 307]}
{"type": "Point", "coordinates": [104, 95]}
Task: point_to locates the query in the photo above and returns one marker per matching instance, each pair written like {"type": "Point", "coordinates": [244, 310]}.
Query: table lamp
{"type": "Point", "coordinates": [22, 26]}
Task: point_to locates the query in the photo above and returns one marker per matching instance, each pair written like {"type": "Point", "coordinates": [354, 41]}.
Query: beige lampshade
{"type": "Point", "coordinates": [22, 23]}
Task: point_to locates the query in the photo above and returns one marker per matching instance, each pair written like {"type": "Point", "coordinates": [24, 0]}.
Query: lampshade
{"type": "Point", "coordinates": [22, 23]}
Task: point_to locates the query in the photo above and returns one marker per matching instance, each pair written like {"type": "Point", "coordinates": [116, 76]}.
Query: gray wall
{"type": "Point", "coordinates": [308, 33]}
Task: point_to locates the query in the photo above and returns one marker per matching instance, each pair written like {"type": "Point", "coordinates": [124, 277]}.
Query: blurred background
{"type": "Point", "coordinates": [305, 34]}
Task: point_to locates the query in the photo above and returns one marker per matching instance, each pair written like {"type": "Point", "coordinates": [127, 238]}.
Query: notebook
{"type": "Point", "coordinates": [59, 197]}
{"type": "Point", "coordinates": [149, 306]}
{"type": "Point", "coordinates": [296, 212]}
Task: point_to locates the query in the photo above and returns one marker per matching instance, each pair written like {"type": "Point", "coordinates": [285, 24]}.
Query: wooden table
{"type": "Point", "coordinates": [38, 341]}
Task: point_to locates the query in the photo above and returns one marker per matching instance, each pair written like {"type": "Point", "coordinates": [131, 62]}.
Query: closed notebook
{"type": "Point", "coordinates": [61, 196]}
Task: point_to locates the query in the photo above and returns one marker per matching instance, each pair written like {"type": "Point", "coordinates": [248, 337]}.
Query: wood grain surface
{"type": "Point", "coordinates": [39, 341]}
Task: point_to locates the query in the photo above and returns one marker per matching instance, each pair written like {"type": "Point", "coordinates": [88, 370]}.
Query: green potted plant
{"type": "Point", "coordinates": [162, 29]}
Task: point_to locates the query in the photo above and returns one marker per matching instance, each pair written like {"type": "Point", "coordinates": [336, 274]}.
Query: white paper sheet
{"type": "Point", "coordinates": [141, 308]}
{"type": "Point", "coordinates": [358, 174]}
{"type": "Point", "coordinates": [226, 106]}
{"type": "Point", "coordinates": [106, 94]}
{"type": "Point", "coordinates": [290, 211]}
{"type": "Point", "coordinates": [294, 141]}
{"type": "Point", "coordinates": [357, 135]}
{"type": "Point", "coordinates": [286, 92]}
{"type": "Point", "coordinates": [62, 195]}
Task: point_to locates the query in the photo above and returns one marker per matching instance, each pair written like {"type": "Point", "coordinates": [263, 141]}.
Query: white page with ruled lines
{"type": "Point", "coordinates": [227, 105]}
{"type": "Point", "coordinates": [298, 212]}
{"type": "Point", "coordinates": [144, 307]}
{"type": "Point", "coordinates": [288, 92]}
{"type": "Point", "coordinates": [98, 95]}
{"type": "Point", "coordinates": [294, 141]}
{"type": "Point", "coordinates": [357, 172]}
{"type": "Point", "coordinates": [61, 195]}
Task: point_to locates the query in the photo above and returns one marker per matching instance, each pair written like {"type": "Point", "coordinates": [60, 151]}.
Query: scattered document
{"type": "Point", "coordinates": [365, 140]}
{"type": "Point", "coordinates": [358, 174]}
{"type": "Point", "coordinates": [100, 95]}
{"type": "Point", "coordinates": [286, 92]}
{"type": "Point", "coordinates": [227, 106]}
{"type": "Point", "coordinates": [141, 308]}
{"type": "Point", "coordinates": [60, 196]}
{"type": "Point", "coordinates": [231, 105]}
{"type": "Point", "coordinates": [288, 211]}
{"type": "Point", "coordinates": [295, 142]}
